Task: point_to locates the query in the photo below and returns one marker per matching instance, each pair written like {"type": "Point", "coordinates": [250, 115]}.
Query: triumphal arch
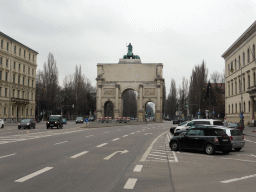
{"type": "Point", "coordinates": [113, 79]}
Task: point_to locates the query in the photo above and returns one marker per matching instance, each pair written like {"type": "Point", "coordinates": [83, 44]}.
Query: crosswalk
{"type": "Point", "coordinates": [161, 151]}
{"type": "Point", "coordinates": [29, 136]}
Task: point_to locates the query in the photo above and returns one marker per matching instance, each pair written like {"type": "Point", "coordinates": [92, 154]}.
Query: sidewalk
{"type": "Point", "coordinates": [248, 131]}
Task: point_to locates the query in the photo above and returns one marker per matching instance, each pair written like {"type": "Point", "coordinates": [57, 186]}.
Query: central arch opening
{"type": "Point", "coordinates": [129, 98]}
{"type": "Point", "coordinates": [150, 111]}
{"type": "Point", "coordinates": [108, 109]}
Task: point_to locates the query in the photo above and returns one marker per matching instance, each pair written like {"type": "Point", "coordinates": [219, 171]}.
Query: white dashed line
{"type": "Point", "coordinates": [60, 142]}
{"type": "Point", "coordinates": [138, 168]}
{"type": "Point", "coordinates": [7, 155]}
{"type": "Point", "coordinates": [125, 135]}
{"type": "Point", "coordinates": [33, 174]}
{"type": "Point", "coordinates": [101, 145]}
{"type": "Point", "coordinates": [79, 154]}
{"type": "Point", "coordinates": [238, 179]}
{"type": "Point", "coordinates": [130, 183]}
{"type": "Point", "coordinates": [133, 133]}
{"type": "Point", "coordinates": [115, 139]}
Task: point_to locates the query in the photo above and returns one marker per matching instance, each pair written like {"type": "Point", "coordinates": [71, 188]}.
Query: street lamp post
{"type": "Point", "coordinates": [241, 93]}
{"type": "Point", "coordinates": [38, 115]}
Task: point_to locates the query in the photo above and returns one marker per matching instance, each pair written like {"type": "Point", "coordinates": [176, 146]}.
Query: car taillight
{"type": "Point", "coordinates": [231, 138]}
{"type": "Point", "coordinates": [216, 140]}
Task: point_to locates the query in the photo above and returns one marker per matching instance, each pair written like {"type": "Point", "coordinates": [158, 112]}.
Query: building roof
{"type": "Point", "coordinates": [240, 40]}
{"type": "Point", "coordinates": [1, 33]}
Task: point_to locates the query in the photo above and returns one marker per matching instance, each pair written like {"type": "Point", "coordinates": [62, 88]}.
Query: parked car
{"type": "Point", "coordinates": [1, 123]}
{"type": "Point", "coordinates": [54, 121]}
{"type": "Point", "coordinates": [91, 119]}
{"type": "Point", "coordinates": [64, 121]}
{"type": "Point", "coordinates": [183, 126]}
{"type": "Point", "coordinates": [176, 121]}
{"type": "Point", "coordinates": [79, 120]}
{"type": "Point", "coordinates": [27, 123]}
{"type": "Point", "coordinates": [234, 125]}
{"type": "Point", "coordinates": [204, 139]}
{"type": "Point", "coordinates": [236, 137]}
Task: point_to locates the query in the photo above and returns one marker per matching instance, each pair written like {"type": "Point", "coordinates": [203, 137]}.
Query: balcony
{"type": "Point", "coordinates": [252, 90]}
{"type": "Point", "coordinates": [19, 101]}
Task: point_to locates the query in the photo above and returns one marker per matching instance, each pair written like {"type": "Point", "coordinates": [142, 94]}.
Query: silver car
{"type": "Point", "coordinates": [236, 137]}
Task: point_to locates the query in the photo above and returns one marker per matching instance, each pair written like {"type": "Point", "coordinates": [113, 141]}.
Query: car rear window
{"type": "Point", "coordinates": [217, 123]}
{"type": "Point", "coordinates": [54, 118]}
{"type": "Point", "coordinates": [235, 132]}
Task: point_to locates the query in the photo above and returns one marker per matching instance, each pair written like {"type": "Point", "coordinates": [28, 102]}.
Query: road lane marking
{"type": "Point", "coordinates": [158, 155]}
{"type": "Point", "coordinates": [60, 142]}
{"type": "Point", "coordinates": [33, 174]}
{"type": "Point", "coordinates": [138, 168]}
{"type": "Point", "coordinates": [111, 155]}
{"type": "Point", "coordinates": [125, 135]}
{"type": "Point", "coordinates": [130, 183]}
{"type": "Point", "coordinates": [115, 139]}
{"type": "Point", "coordinates": [7, 155]}
{"type": "Point", "coordinates": [239, 160]}
{"type": "Point", "coordinates": [238, 179]}
{"type": "Point", "coordinates": [101, 145]}
{"type": "Point", "coordinates": [79, 154]}
{"type": "Point", "coordinates": [132, 132]}
{"type": "Point", "coordinates": [145, 155]}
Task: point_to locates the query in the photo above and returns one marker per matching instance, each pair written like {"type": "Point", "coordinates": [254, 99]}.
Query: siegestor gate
{"type": "Point", "coordinates": [113, 79]}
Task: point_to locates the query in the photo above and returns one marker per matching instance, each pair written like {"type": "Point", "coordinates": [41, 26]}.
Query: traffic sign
{"type": "Point", "coordinates": [241, 115]}
{"type": "Point", "coordinates": [86, 120]}
{"type": "Point", "coordinates": [213, 112]}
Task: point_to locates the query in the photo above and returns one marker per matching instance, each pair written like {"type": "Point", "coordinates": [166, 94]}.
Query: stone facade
{"type": "Point", "coordinates": [18, 65]}
{"type": "Point", "coordinates": [146, 79]}
{"type": "Point", "coordinates": [240, 80]}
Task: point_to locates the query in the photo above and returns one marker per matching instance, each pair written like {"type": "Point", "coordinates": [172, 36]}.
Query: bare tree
{"type": "Point", "coordinates": [171, 102]}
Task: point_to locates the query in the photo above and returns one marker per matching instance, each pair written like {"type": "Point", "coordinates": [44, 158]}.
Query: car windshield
{"type": "Point", "coordinates": [63, 119]}
{"type": "Point", "coordinates": [232, 124]}
{"type": "Point", "coordinates": [25, 121]}
{"type": "Point", "coordinates": [79, 118]}
{"type": "Point", "coordinates": [54, 118]}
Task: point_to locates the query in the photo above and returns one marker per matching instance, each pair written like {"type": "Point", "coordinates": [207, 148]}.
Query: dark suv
{"type": "Point", "coordinates": [54, 121]}
{"type": "Point", "coordinates": [203, 138]}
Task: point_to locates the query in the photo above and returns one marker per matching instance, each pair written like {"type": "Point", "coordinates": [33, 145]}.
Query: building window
{"type": "Point", "coordinates": [232, 108]}
{"type": "Point", "coordinates": [6, 76]}
{"type": "Point", "coordinates": [1, 60]}
{"type": "Point", "coordinates": [244, 106]}
{"type": "Point", "coordinates": [253, 51]}
{"type": "Point", "coordinates": [23, 94]}
{"type": "Point", "coordinates": [236, 108]}
{"type": "Point", "coordinates": [0, 75]}
{"type": "Point", "coordinates": [19, 66]}
{"type": "Point", "coordinates": [32, 83]}
{"type": "Point", "coordinates": [249, 81]}
{"type": "Point", "coordinates": [30, 112]}
{"type": "Point", "coordinates": [29, 71]}
{"type": "Point", "coordinates": [2, 43]}
{"type": "Point", "coordinates": [239, 62]}
{"type": "Point", "coordinates": [5, 93]}
{"type": "Point", "coordinates": [18, 94]}
{"type": "Point", "coordinates": [19, 51]}
{"type": "Point", "coordinates": [235, 87]}
{"type": "Point", "coordinates": [243, 59]}
{"type": "Point", "coordinates": [254, 78]}
{"type": "Point", "coordinates": [232, 93]}
{"type": "Point", "coordinates": [248, 56]}
{"type": "Point", "coordinates": [6, 62]}
{"type": "Point", "coordinates": [32, 71]}
{"type": "Point", "coordinates": [28, 82]}
{"type": "Point", "coordinates": [18, 79]}
{"type": "Point", "coordinates": [28, 95]}
{"type": "Point", "coordinates": [29, 56]}
{"type": "Point", "coordinates": [24, 69]}
{"type": "Point", "coordinates": [33, 58]}
{"type": "Point", "coordinates": [7, 46]}
{"type": "Point", "coordinates": [4, 110]}
{"type": "Point", "coordinates": [13, 92]}
{"type": "Point", "coordinates": [23, 80]}
{"type": "Point", "coordinates": [24, 53]}
{"type": "Point", "coordinates": [249, 106]}
{"type": "Point", "coordinates": [235, 64]}
{"type": "Point", "coordinates": [32, 95]}
{"type": "Point", "coordinates": [27, 112]}
{"type": "Point", "coordinates": [228, 90]}
{"type": "Point", "coordinates": [14, 65]}
{"type": "Point", "coordinates": [229, 109]}
{"type": "Point", "coordinates": [12, 110]}
{"type": "Point", "coordinates": [14, 49]}
{"type": "Point", "coordinates": [0, 91]}
{"type": "Point", "coordinates": [13, 78]}
{"type": "Point", "coordinates": [244, 83]}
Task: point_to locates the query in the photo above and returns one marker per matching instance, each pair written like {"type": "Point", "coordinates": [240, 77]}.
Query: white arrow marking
{"type": "Point", "coordinates": [148, 133]}
{"type": "Point", "coordinates": [122, 152]}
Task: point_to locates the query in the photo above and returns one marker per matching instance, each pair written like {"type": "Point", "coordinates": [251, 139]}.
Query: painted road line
{"type": "Point", "coordinates": [7, 155]}
{"type": "Point", "coordinates": [138, 168]}
{"type": "Point", "coordinates": [125, 135]}
{"type": "Point", "coordinates": [240, 160]}
{"type": "Point", "coordinates": [175, 157]}
{"type": "Point", "coordinates": [132, 132]}
{"type": "Point", "coordinates": [138, 131]}
{"type": "Point", "coordinates": [145, 155]}
{"type": "Point", "coordinates": [33, 174]}
{"type": "Point", "coordinates": [130, 183]}
{"type": "Point", "coordinates": [238, 179]}
{"type": "Point", "coordinates": [60, 142]}
{"type": "Point", "coordinates": [79, 154]}
{"type": "Point", "coordinates": [115, 139]}
{"type": "Point", "coordinates": [158, 155]}
{"type": "Point", "coordinates": [106, 132]}
{"type": "Point", "coordinates": [101, 145]}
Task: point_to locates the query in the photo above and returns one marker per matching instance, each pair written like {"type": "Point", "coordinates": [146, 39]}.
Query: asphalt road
{"type": "Point", "coordinates": [121, 158]}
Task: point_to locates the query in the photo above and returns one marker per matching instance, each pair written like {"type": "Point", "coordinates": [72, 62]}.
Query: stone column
{"type": "Point", "coordinates": [158, 106]}
{"type": "Point", "coordinates": [140, 112]}
{"type": "Point", "coordinates": [99, 104]}
{"type": "Point", "coordinates": [116, 102]}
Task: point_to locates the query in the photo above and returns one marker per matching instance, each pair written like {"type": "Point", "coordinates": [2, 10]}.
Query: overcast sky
{"type": "Point", "coordinates": [179, 34]}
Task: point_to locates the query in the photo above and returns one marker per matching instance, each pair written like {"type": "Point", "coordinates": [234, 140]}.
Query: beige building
{"type": "Point", "coordinates": [240, 80]}
{"type": "Point", "coordinates": [18, 65]}
{"type": "Point", "coordinates": [113, 80]}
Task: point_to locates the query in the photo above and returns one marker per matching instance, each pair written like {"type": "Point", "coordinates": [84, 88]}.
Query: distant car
{"type": "Point", "coordinates": [176, 121]}
{"type": "Point", "coordinates": [234, 125]}
{"type": "Point", "coordinates": [54, 121]}
{"type": "Point", "coordinates": [204, 139]}
{"type": "Point", "coordinates": [79, 120]}
{"type": "Point", "coordinates": [27, 123]}
{"type": "Point", "coordinates": [1, 123]}
{"type": "Point", "coordinates": [91, 119]}
{"type": "Point", "coordinates": [64, 121]}
{"type": "Point", "coordinates": [236, 137]}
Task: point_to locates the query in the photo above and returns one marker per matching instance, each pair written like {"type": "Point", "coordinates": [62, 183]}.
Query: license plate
{"type": "Point", "coordinates": [224, 139]}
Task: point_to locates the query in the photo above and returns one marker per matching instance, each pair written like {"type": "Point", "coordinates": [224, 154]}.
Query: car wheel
{"type": "Point", "coordinates": [209, 149]}
{"type": "Point", "coordinates": [174, 146]}
{"type": "Point", "coordinates": [226, 151]}
{"type": "Point", "coordinates": [238, 149]}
